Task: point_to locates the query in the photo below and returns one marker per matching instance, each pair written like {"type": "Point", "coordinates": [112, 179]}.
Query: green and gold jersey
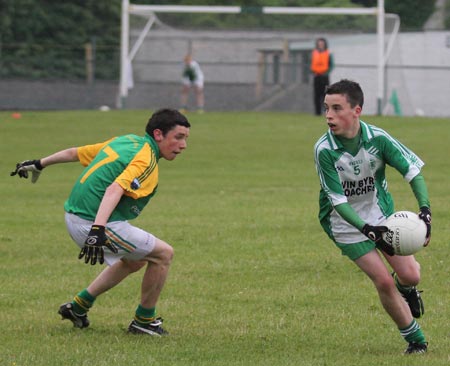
{"type": "Point", "coordinates": [359, 179]}
{"type": "Point", "coordinates": [131, 161]}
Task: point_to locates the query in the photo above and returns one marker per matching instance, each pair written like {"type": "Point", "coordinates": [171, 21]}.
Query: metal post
{"type": "Point", "coordinates": [380, 63]}
{"type": "Point", "coordinates": [123, 92]}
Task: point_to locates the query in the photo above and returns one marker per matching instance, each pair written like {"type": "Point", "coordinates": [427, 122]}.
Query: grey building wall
{"type": "Point", "coordinates": [55, 94]}
{"type": "Point", "coordinates": [418, 70]}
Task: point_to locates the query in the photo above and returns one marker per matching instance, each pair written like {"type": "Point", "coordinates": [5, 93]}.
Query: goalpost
{"type": "Point", "coordinates": [148, 11]}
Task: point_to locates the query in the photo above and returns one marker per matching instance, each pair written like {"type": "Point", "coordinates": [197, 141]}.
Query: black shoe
{"type": "Point", "coordinates": [79, 321]}
{"type": "Point", "coordinates": [414, 347]}
{"type": "Point", "coordinates": [154, 328]}
{"type": "Point", "coordinates": [414, 301]}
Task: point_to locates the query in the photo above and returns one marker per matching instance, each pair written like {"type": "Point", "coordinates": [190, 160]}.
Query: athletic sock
{"type": "Point", "coordinates": [413, 333]}
{"type": "Point", "coordinates": [82, 302]}
{"type": "Point", "coordinates": [402, 288]}
{"type": "Point", "coordinates": [144, 316]}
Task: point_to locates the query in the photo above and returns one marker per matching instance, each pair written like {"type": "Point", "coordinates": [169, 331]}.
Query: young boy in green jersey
{"type": "Point", "coordinates": [354, 154]}
{"type": "Point", "coordinates": [120, 177]}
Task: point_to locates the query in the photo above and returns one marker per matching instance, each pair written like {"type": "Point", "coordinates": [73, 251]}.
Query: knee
{"type": "Point", "coordinates": [162, 255]}
{"type": "Point", "coordinates": [167, 254]}
{"type": "Point", "coordinates": [385, 284]}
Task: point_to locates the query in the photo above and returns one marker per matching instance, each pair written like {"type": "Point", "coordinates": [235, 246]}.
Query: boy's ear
{"type": "Point", "coordinates": [157, 135]}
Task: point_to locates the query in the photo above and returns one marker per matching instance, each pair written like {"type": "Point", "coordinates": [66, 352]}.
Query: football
{"type": "Point", "coordinates": [407, 232]}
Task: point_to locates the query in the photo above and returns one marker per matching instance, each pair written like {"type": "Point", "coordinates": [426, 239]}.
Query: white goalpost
{"type": "Point", "coordinates": [148, 11]}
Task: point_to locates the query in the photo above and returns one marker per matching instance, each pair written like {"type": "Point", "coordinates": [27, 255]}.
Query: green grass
{"type": "Point", "coordinates": [254, 281]}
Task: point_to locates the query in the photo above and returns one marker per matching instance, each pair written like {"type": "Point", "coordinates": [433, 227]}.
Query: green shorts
{"type": "Point", "coordinates": [356, 250]}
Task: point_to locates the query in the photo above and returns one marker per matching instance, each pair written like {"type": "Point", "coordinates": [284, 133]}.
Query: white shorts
{"type": "Point", "coordinates": [133, 243]}
{"type": "Point", "coordinates": [198, 83]}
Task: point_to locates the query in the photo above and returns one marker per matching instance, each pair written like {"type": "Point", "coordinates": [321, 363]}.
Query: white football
{"type": "Point", "coordinates": [407, 232]}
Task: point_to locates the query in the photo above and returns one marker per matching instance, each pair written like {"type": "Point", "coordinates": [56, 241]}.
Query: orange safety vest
{"type": "Point", "coordinates": [320, 61]}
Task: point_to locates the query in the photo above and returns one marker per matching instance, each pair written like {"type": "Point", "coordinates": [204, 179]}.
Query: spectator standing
{"type": "Point", "coordinates": [322, 64]}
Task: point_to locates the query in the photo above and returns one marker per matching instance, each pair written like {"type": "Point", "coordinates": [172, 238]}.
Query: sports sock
{"type": "Point", "coordinates": [144, 316]}
{"type": "Point", "coordinates": [413, 333]}
{"type": "Point", "coordinates": [82, 302]}
{"type": "Point", "coordinates": [402, 288]}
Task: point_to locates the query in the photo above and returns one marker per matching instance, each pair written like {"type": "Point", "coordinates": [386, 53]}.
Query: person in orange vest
{"type": "Point", "coordinates": [321, 65]}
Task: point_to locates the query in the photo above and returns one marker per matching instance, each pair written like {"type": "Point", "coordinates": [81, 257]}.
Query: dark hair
{"type": "Point", "coordinates": [324, 41]}
{"type": "Point", "coordinates": [165, 119]}
{"type": "Point", "coordinates": [350, 89]}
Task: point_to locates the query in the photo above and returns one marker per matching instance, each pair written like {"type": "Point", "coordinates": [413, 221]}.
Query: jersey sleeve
{"type": "Point", "coordinates": [420, 190]}
{"type": "Point", "coordinates": [401, 158]}
{"type": "Point", "coordinates": [329, 178]}
{"type": "Point", "coordinates": [87, 153]}
{"type": "Point", "coordinates": [349, 214]}
{"type": "Point", "coordinates": [140, 178]}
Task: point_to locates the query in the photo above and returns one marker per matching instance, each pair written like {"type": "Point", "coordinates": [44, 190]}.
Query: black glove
{"type": "Point", "coordinates": [33, 166]}
{"type": "Point", "coordinates": [425, 215]}
{"type": "Point", "coordinates": [374, 233]}
{"type": "Point", "coordinates": [93, 246]}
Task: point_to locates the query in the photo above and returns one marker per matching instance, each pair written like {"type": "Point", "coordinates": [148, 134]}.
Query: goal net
{"type": "Point", "coordinates": [254, 58]}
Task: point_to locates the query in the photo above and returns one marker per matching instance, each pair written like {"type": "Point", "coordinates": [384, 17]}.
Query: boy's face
{"type": "Point", "coordinates": [173, 143]}
{"type": "Point", "coordinates": [188, 60]}
{"type": "Point", "coordinates": [342, 118]}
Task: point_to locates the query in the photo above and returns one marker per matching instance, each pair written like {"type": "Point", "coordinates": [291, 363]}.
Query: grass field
{"type": "Point", "coordinates": [254, 281]}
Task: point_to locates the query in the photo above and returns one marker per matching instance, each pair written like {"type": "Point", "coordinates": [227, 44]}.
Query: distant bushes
{"type": "Point", "coordinates": [47, 39]}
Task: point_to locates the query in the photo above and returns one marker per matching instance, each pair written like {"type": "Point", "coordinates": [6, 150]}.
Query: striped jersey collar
{"type": "Point", "coordinates": [153, 145]}
{"type": "Point", "coordinates": [366, 135]}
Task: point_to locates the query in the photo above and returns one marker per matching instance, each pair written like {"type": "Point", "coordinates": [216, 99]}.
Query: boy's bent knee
{"type": "Point", "coordinates": [167, 254]}
{"type": "Point", "coordinates": [162, 253]}
{"type": "Point", "coordinates": [385, 283]}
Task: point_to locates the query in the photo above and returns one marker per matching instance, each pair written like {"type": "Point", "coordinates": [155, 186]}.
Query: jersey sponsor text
{"type": "Point", "coordinates": [359, 187]}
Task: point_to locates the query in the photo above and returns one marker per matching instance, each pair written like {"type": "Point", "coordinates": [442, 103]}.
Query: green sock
{"type": "Point", "coordinates": [82, 302]}
{"type": "Point", "coordinates": [413, 333]}
{"type": "Point", "coordinates": [144, 315]}
{"type": "Point", "coordinates": [403, 289]}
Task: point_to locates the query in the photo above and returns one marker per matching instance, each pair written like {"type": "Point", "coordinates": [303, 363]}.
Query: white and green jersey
{"type": "Point", "coordinates": [192, 73]}
{"type": "Point", "coordinates": [359, 180]}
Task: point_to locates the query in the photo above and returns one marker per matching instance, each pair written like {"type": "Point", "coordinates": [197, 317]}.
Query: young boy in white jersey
{"type": "Point", "coordinates": [120, 177]}
{"type": "Point", "coordinates": [192, 77]}
{"type": "Point", "coordinates": [350, 160]}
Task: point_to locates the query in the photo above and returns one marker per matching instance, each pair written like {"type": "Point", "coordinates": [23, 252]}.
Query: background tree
{"type": "Point", "coordinates": [46, 39]}
{"type": "Point", "coordinates": [413, 13]}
